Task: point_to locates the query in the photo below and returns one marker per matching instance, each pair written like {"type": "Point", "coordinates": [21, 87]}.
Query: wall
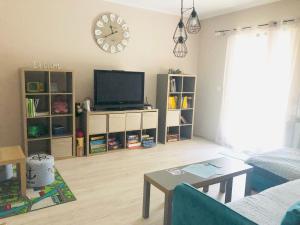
{"type": "Point", "coordinates": [212, 58]}
{"type": "Point", "coordinates": [60, 31]}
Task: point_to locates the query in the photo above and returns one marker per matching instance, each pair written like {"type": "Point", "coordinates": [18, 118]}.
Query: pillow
{"type": "Point", "coordinates": [292, 216]}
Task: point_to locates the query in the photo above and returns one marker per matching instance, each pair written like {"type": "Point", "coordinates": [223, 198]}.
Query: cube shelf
{"type": "Point", "coordinates": [124, 129]}
{"type": "Point", "coordinates": [177, 120]}
{"type": "Point", "coordinates": [49, 117]}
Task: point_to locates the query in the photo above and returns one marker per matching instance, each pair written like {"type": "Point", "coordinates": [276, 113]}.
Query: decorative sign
{"type": "Point", "coordinates": [46, 66]}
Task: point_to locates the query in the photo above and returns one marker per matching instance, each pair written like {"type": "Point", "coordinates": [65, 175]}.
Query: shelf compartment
{"type": "Point", "coordinates": [38, 128]}
{"type": "Point", "coordinates": [173, 118]}
{"type": "Point", "coordinates": [174, 101]}
{"type": "Point", "coordinates": [61, 82]}
{"type": "Point", "coordinates": [175, 84]}
{"type": "Point", "coordinates": [173, 134]}
{"type": "Point", "coordinates": [186, 132]}
{"type": "Point", "coordinates": [116, 141]}
{"type": "Point", "coordinates": [42, 109]}
{"type": "Point", "coordinates": [62, 147]}
{"type": "Point", "coordinates": [62, 126]}
{"type": "Point", "coordinates": [188, 84]}
{"type": "Point", "coordinates": [61, 104]}
{"type": "Point", "coordinates": [133, 121]}
{"type": "Point", "coordinates": [133, 139]}
{"type": "Point", "coordinates": [186, 117]}
{"type": "Point", "coordinates": [39, 146]}
{"type": "Point", "coordinates": [36, 82]}
{"type": "Point", "coordinates": [97, 143]}
{"type": "Point", "coordinates": [150, 138]}
{"type": "Point", "coordinates": [187, 101]}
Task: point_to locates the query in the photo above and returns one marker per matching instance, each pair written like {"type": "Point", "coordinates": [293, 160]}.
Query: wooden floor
{"type": "Point", "coordinates": [109, 187]}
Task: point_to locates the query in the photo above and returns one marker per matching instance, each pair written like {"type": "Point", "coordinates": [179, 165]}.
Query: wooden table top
{"type": "Point", "coordinates": [11, 154]}
{"type": "Point", "coordinates": [228, 168]}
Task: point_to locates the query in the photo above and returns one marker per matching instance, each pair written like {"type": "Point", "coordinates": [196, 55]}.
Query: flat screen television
{"type": "Point", "coordinates": [118, 89]}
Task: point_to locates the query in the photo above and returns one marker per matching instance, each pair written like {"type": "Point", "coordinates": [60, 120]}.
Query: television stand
{"type": "Point", "coordinates": [120, 129]}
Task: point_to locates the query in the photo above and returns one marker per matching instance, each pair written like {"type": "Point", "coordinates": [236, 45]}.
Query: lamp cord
{"type": "Point", "coordinates": [181, 9]}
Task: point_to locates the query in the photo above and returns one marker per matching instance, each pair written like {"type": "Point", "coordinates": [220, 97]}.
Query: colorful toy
{"type": "Point", "coordinates": [60, 106]}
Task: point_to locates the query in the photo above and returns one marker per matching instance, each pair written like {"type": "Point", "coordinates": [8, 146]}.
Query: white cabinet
{"type": "Point", "coordinates": [97, 124]}
{"type": "Point", "coordinates": [119, 125]}
{"type": "Point", "coordinates": [133, 121]}
{"type": "Point", "coordinates": [116, 122]}
{"type": "Point", "coordinates": [150, 120]}
{"type": "Point", "coordinates": [173, 118]}
{"type": "Point", "coordinates": [62, 147]}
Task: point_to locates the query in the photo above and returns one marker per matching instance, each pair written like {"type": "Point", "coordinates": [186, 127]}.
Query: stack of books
{"type": "Point", "coordinates": [113, 143]}
{"type": "Point", "coordinates": [97, 144]}
{"type": "Point", "coordinates": [147, 141]}
{"type": "Point", "coordinates": [133, 141]}
{"type": "Point", "coordinates": [172, 137]}
{"type": "Point", "coordinates": [31, 109]}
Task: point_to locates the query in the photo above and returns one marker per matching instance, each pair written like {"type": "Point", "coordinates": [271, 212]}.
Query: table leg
{"type": "Point", "coordinates": [228, 193]}
{"type": "Point", "coordinates": [21, 170]}
{"type": "Point", "coordinates": [205, 189]}
{"type": "Point", "coordinates": [247, 185]}
{"type": "Point", "coordinates": [168, 209]}
{"type": "Point", "coordinates": [223, 187]}
{"type": "Point", "coordinates": [146, 199]}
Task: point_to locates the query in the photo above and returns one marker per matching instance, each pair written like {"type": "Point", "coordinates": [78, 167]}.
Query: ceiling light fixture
{"type": "Point", "coordinates": [180, 35]}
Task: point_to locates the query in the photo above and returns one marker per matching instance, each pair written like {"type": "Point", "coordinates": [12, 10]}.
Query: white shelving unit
{"type": "Point", "coordinates": [119, 124]}
{"type": "Point", "coordinates": [179, 120]}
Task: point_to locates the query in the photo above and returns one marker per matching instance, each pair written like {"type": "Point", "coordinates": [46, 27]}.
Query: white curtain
{"type": "Point", "coordinates": [257, 83]}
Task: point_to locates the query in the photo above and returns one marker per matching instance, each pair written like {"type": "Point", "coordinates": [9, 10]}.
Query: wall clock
{"type": "Point", "coordinates": [111, 33]}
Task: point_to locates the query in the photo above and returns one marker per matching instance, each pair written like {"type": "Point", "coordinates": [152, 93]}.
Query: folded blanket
{"type": "Point", "coordinates": [284, 162]}
{"type": "Point", "coordinates": [268, 207]}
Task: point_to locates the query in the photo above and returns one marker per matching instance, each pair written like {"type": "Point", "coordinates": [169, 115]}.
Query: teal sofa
{"type": "Point", "coordinates": [192, 207]}
{"type": "Point", "coordinates": [274, 168]}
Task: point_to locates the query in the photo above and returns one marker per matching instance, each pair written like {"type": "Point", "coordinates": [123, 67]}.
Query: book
{"type": "Point", "coordinates": [137, 144]}
{"type": "Point", "coordinates": [97, 138]}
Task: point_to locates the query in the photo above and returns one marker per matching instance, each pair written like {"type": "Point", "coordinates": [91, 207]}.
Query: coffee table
{"type": "Point", "coordinates": [165, 181]}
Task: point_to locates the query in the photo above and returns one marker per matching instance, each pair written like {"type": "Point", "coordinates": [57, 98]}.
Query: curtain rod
{"type": "Point", "coordinates": [272, 23]}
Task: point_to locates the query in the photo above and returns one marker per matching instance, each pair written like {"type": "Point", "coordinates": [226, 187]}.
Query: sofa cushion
{"type": "Point", "coordinates": [191, 207]}
{"type": "Point", "coordinates": [292, 216]}
{"type": "Point", "coordinates": [284, 162]}
{"type": "Point", "coordinates": [268, 207]}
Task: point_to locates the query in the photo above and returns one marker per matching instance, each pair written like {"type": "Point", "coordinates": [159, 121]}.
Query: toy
{"type": "Point", "coordinates": [58, 129]}
{"type": "Point", "coordinates": [35, 87]}
{"type": "Point", "coordinates": [79, 143]}
{"type": "Point", "coordinates": [60, 106]}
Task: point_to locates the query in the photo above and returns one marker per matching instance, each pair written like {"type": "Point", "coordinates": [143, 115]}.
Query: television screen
{"type": "Point", "coordinates": [118, 89]}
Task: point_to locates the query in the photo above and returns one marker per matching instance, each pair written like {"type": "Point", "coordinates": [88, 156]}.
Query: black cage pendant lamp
{"type": "Point", "coordinates": [180, 29]}
{"type": "Point", "coordinates": [180, 49]}
{"type": "Point", "coordinates": [193, 23]}
{"type": "Point", "coordinates": [180, 37]}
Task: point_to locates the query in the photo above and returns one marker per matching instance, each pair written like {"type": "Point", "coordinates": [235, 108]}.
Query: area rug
{"type": "Point", "coordinates": [36, 198]}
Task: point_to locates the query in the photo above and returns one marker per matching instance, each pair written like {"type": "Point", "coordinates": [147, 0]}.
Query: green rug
{"type": "Point", "coordinates": [36, 198]}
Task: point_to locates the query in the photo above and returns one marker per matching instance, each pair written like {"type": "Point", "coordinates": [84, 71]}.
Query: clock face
{"type": "Point", "coordinates": [111, 33]}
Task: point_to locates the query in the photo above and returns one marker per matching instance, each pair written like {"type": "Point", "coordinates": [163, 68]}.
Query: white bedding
{"type": "Point", "coordinates": [269, 206]}
{"type": "Point", "coordinates": [283, 162]}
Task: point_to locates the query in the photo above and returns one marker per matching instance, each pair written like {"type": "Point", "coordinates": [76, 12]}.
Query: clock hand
{"type": "Point", "coordinates": [110, 34]}
{"type": "Point", "coordinates": [111, 28]}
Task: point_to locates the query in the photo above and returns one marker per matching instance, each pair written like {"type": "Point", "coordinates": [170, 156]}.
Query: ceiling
{"type": "Point", "coordinates": [205, 8]}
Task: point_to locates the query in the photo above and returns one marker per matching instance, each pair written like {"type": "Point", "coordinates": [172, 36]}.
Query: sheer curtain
{"type": "Point", "coordinates": [257, 81]}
